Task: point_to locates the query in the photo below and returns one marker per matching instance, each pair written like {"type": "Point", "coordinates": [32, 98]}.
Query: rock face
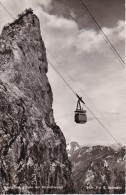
{"type": "Point", "coordinates": [33, 157]}
{"type": "Point", "coordinates": [71, 147]}
{"type": "Point", "coordinates": [98, 170]}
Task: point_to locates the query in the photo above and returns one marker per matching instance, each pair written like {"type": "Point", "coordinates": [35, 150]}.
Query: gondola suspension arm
{"type": "Point", "coordinates": [80, 98]}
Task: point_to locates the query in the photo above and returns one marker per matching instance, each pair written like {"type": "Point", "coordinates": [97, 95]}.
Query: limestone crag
{"type": "Point", "coordinates": [33, 157]}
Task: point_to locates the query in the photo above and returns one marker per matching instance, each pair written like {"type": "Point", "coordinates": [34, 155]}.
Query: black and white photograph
{"type": "Point", "coordinates": [62, 97]}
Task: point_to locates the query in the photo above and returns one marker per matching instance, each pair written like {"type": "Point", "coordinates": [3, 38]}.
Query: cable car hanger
{"type": "Point", "coordinates": [80, 98]}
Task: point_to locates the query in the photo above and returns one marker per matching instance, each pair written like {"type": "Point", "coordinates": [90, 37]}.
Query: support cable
{"type": "Point", "coordinates": [84, 104]}
{"type": "Point", "coordinates": [102, 33]}
{"type": "Point", "coordinates": [70, 86]}
{"type": "Point", "coordinates": [62, 77]}
{"type": "Point", "coordinates": [102, 125]}
{"type": "Point", "coordinates": [6, 10]}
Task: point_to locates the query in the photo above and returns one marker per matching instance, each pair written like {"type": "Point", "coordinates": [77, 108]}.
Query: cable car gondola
{"type": "Point", "coordinates": [80, 114]}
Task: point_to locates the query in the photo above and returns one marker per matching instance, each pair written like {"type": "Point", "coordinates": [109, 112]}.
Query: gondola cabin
{"type": "Point", "coordinates": [80, 114]}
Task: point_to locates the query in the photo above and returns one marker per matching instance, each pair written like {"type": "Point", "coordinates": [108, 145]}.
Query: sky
{"type": "Point", "coordinates": [80, 54]}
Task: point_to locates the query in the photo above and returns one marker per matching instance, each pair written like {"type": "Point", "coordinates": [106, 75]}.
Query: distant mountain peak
{"type": "Point", "coordinates": [97, 169]}
{"type": "Point", "coordinates": [71, 147]}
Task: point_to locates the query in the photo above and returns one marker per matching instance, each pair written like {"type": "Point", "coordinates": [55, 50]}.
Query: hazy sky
{"type": "Point", "coordinates": [83, 58]}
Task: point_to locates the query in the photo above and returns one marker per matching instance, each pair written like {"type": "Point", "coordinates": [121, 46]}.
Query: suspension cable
{"type": "Point", "coordinates": [69, 86]}
{"type": "Point", "coordinates": [52, 56]}
{"type": "Point", "coordinates": [102, 33]}
{"type": "Point", "coordinates": [96, 24]}
{"type": "Point", "coordinates": [102, 125]}
{"type": "Point", "coordinates": [62, 77]}
{"type": "Point", "coordinates": [6, 10]}
{"type": "Point", "coordinates": [85, 104]}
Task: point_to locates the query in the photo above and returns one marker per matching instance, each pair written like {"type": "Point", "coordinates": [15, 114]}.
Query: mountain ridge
{"type": "Point", "coordinates": [98, 169]}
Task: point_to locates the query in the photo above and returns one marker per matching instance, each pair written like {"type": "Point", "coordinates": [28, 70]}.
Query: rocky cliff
{"type": "Point", "coordinates": [72, 147]}
{"type": "Point", "coordinates": [33, 157]}
{"type": "Point", "coordinates": [98, 169]}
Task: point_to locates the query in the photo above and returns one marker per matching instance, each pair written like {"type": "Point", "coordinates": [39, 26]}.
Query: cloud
{"type": "Point", "coordinates": [117, 33]}
{"type": "Point", "coordinates": [88, 41]}
{"type": "Point", "coordinates": [57, 31]}
{"type": "Point", "coordinates": [65, 32]}
{"type": "Point", "coordinates": [72, 14]}
{"type": "Point", "coordinates": [91, 40]}
{"type": "Point", "coordinates": [45, 4]}
{"type": "Point", "coordinates": [14, 6]}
